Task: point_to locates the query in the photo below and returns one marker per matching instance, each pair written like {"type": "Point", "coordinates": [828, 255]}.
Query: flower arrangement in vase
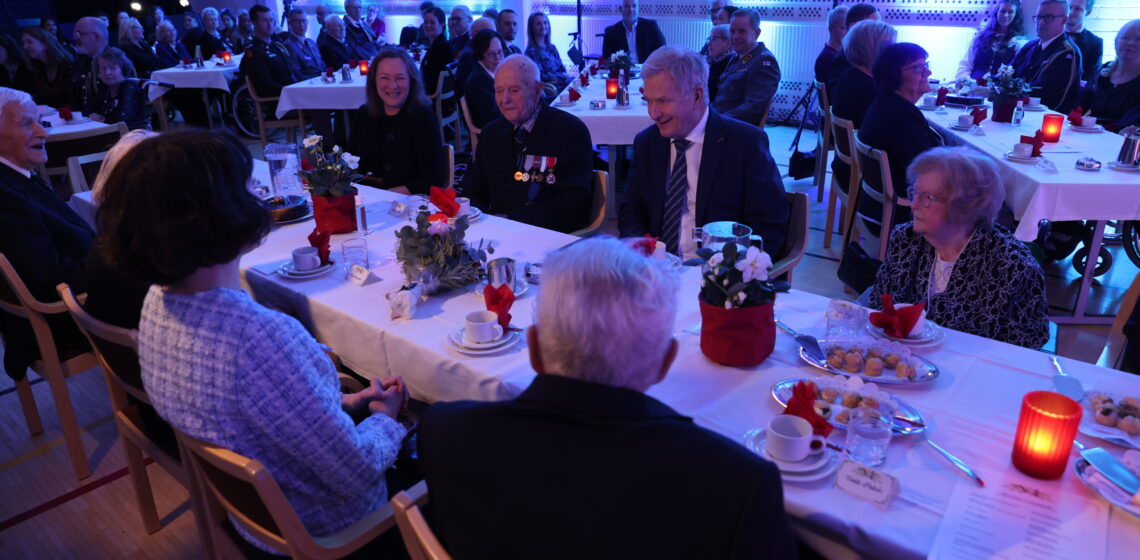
{"type": "Point", "coordinates": [619, 61]}
{"type": "Point", "coordinates": [736, 299]}
{"type": "Point", "coordinates": [1006, 88]}
{"type": "Point", "coordinates": [328, 177]}
{"type": "Point", "coordinates": [435, 255]}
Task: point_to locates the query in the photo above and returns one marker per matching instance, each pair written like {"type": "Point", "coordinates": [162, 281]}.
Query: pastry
{"type": "Point", "coordinates": [1106, 415]}
{"type": "Point", "coordinates": [851, 399]}
{"type": "Point", "coordinates": [906, 370]}
{"type": "Point", "coordinates": [1130, 424]}
{"type": "Point", "coordinates": [829, 394]}
{"type": "Point", "coordinates": [843, 416]}
{"type": "Point", "coordinates": [873, 367]}
{"type": "Point", "coordinates": [870, 402]}
{"type": "Point", "coordinates": [853, 362]}
{"type": "Point", "coordinates": [835, 360]}
{"type": "Point", "coordinates": [874, 352]}
{"type": "Point", "coordinates": [891, 360]}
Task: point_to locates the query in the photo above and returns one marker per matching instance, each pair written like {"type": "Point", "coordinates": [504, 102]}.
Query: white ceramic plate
{"type": "Point", "coordinates": [1033, 108]}
{"type": "Point", "coordinates": [456, 337]}
{"type": "Point", "coordinates": [1111, 434]}
{"type": "Point", "coordinates": [931, 334]}
{"type": "Point", "coordinates": [512, 338]}
{"type": "Point", "coordinates": [287, 271]}
{"type": "Point", "coordinates": [1121, 167]}
{"type": "Point", "coordinates": [1019, 159]}
{"type": "Point", "coordinates": [561, 104]}
{"type": "Point", "coordinates": [833, 461]}
{"type": "Point", "coordinates": [927, 371]}
{"type": "Point", "coordinates": [754, 440]}
{"type": "Point", "coordinates": [1104, 488]}
{"type": "Point", "coordinates": [298, 219]}
{"type": "Point", "coordinates": [1095, 129]}
{"type": "Point", "coordinates": [76, 120]}
{"type": "Point", "coordinates": [957, 126]}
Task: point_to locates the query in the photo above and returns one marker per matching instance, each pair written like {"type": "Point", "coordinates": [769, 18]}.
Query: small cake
{"type": "Point", "coordinates": [1098, 399]}
{"type": "Point", "coordinates": [835, 360]}
{"type": "Point", "coordinates": [873, 367]}
{"type": "Point", "coordinates": [853, 362]}
{"type": "Point", "coordinates": [906, 370]}
{"type": "Point", "coordinates": [1130, 424]}
{"type": "Point", "coordinates": [843, 416]}
{"type": "Point", "coordinates": [870, 402]}
{"type": "Point", "coordinates": [891, 360]}
{"type": "Point", "coordinates": [851, 399]}
{"type": "Point", "coordinates": [1106, 416]}
{"type": "Point", "coordinates": [874, 352]}
{"type": "Point", "coordinates": [829, 394]}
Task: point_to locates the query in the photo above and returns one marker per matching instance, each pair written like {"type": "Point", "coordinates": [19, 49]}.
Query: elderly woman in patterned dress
{"type": "Point", "coordinates": [972, 274]}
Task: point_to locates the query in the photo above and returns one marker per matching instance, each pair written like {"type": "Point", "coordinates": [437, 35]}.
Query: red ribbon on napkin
{"type": "Point", "coordinates": [444, 199]}
{"type": "Point", "coordinates": [1075, 115]}
{"type": "Point", "coordinates": [1037, 140]}
{"type": "Point", "coordinates": [942, 93]}
{"type": "Point", "coordinates": [65, 113]}
{"type": "Point", "coordinates": [802, 404]}
{"type": "Point", "coordinates": [979, 114]}
{"type": "Point", "coordinates": [896, 322]}
{"type": "Point", "coordinates": [320, 240]}
{"type": "Point", "coordinates": [646, 245]}
{"type": "Point", "coordinates": [500, 300]}
{"type": "Point", "coordinates": [574, 95]}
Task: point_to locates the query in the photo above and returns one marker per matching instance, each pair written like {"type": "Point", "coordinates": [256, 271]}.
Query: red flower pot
{"type": "Point", "coordinates": [1003, 111]}
{"type": "Point", "coordinates": [739, 337]}
{"type": "Point", "coordinates": [335, 214]}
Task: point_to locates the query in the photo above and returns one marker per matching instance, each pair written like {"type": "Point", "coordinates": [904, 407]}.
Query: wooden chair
{"type": "Point", "coordinates": [444, 100]}
{"type": "Point", "coordinates": [64, 145]}
{"type": "Point", "coordinates": [472, 130]}
{"type": "Point", "coordinates": [824, 146]}
{"type": "Point", "coordinates": [290, 125]}
{"type": "Point", "coordinates": [795, 244]}
{"type": "Point", "coordinates": [16, 299]}
{"type": "Point", "coordinates": [764, 117]}
{"type": "Point", "coordinates": [1113, 351]}
{"type": "Point", "coordinates": [598, 208]}
{"type": "Point", "coordinates": [878, 186]}
{"type": "Point", "coordinates": [449, 161]}
{"type": "Point", "coordinates": [239, 489]}
{"type": "Point", "coordinates": [82, 170]}
{"type": "Point", "coordinates": [843, 140]}
{"type": "Point", "coordinates": [418, 536]}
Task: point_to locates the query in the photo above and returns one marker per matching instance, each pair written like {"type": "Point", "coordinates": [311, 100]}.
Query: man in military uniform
{"type": "Point", "coordinates": [90, 38]}
{"type": "Point", "coordinates": [1091, 46]}
{"type": "Point", "coordinates": [752, 75]}
{"type": "Point", "coordinates": [304, 52]}
{"type": "Point", "coordinates": [534, 165]}
{"type": "Point", "coordinates": [1051, 63]}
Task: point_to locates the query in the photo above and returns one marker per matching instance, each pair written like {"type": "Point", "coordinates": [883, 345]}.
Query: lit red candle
{"type": "Point", "coordinates": [611, 88]}
{"type": "Point", "coordinates": [227, 56]}
{"type": "Point", "coordinates": [1045, 433]}
{"type": "Point", "coordinates": [363, 67]}
{"type": "Point", "coordinates": [1051, 127]}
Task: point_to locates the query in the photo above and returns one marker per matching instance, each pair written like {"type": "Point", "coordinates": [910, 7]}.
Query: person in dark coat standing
{"type": "Point", "coordinates": [646, 36]}
{"type": "Point", "coordinates": [1051, 63]}
{"type": "Point", "coordinates": [1091, 46]}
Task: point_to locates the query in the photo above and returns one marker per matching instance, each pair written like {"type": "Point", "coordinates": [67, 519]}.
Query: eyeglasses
{"type": "Point", "coordinates": [923, 199]}
{"type": "Point", "coordinates": [920, 67]}
{"type": "Point", "coordinates": [1047, 19]}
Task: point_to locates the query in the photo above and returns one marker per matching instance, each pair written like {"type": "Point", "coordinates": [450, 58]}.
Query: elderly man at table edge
{"type": "Point", "coordinates": [1051, 63]}
{"type": "Point", "coordinates": [695, 165]}
{"type": "Point", "coordinates": [583, 464]}
{"type": "Point", "coordinates": [46, 242]}
{"type": "Point", "coordinates": [534, 165]}
{"type": "Point", "coordinates": [644, 32]}
{"type": "Point", "coordinates": [90, 39]}
{"type": "Point", "coordinates": [752, 74]}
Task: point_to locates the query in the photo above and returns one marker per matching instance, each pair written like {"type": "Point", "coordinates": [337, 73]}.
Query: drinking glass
{"type": "Point", "coordinates": [354, 251]}
{"type": "Point", "coordinates": [844, 320]}
{"type": "Point", "coordinates": [868, 434]}
{"type": "Point", "coordinates": [416, 203]}
{"type": "Point", "coordinates": [283, 166]}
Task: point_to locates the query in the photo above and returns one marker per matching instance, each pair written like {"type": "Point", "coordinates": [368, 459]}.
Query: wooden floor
{"type": "Point", "coordinates": [46, 513]}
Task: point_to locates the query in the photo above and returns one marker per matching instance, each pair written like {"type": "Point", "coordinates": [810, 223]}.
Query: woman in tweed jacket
{"type": "Point", "coordinates": [972, 274]}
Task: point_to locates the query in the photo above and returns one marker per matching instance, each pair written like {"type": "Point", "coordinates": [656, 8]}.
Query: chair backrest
{"type": "Point", "coordinates": [824, 103]}
{"type": "Point", "coordinates": [446, 109]}
{"type": "Point", "coordinates": [419, 539]}
{"type": "Point", "coordinates": [598, 207]}
{"type": "Point", "coordinates": [17, 299]}
{"type": "Point", "coordinates": [876, 170]}
{"type": "Point", "coordinates": [471, 128]}
{"type": "Point", "coordinates": [64, 145]}
{"type": "Point", "coordinates": [795, 243]}
{"type": "Point", "coordinates": [764, 117]}
{"type": "Point", "coordinates": [115, 347]}
{"type": "Point", "coordinates": [1113, 352]}
{"type": "Point", "coordinates": [449, 161]}
{"type": "Point", "coordinates": [843, 134]}
{"type": "Point", "coordinates": [82, 170]}
{"type": "Point", "coordinates": [253, 92]}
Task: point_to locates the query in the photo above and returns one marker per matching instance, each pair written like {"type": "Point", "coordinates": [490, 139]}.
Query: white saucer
{"type": "Point", "coordinates": [1019, 159]}
{"type": "Point", "coordinates": [833, 461]}
{"type": "Point", "coordinates": [754, 439]}
{"type": "Point", "coordinates": [957, 126]}
{"type": "Point", "coordinates": [76, 120]}
{"type": "Point", "coordinates": [1033, 108]}
{"type": "Point", "coordinates": [925, 108]}
{"type": "Point", "coordinates": [623, 107]}
{"type": "Point", "coordinates": [473, 216]}
{"type": "Point", "coordinates": [287, 271]}
{"type": "Point", "coordinates": [457, 338]}
{"type": "Point", "coordinates": [1095, 129]}
{"type": "Point", "coordinates": [510, 339]}
{"type": "Point", "coordinates": [561, 104]}
{"type": "Point", "coordinates": [298, 219]}
{"type": "Point", "coordinates": [1121, 167]}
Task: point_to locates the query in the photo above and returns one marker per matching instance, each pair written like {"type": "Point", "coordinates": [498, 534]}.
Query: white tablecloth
{"type": "Point", "coordinates": [59, 126]}
{"type": "Point", "coordinates": [210, 77]}
{"type": "Point", "coordinates": [1069, 194]}
{"type": "Point", "coordinates": [610, 125]}
{"type": "Point", "coordinates": [972, 407]}
{"type": "Point", "coordinates": [315, 94]}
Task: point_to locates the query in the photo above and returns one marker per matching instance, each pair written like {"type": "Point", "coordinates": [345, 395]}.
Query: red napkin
{"type": "Point", "coordinates": [982, 82]}
{"type": "Point", "coordinates": [352, 63]}
{"type": "Point", "coordinates": [942, 92]}
{"type": "Point", "coordinates": [329, 71]}
{"type": "Point", "coordinates": [574, 95]}
{"type": "Point", "coordinates": [1037, 140]}
{"type": "Point", "coordinates": [646, 245]}
{"type": "Point", "coordinates": [1075, 116]}
{"type": "Point", "coordinates": [65, 113]}
{"type": "Point", "coordinates": [802, 404]}
{"type": "Point", "coordinates": [444, 199]}
{"type": "Point", "coordinates": [896, 323]}
{"type": "Point", "coordinates": [593, 69]}
{"type": "Point", "coordinates": [320, 240]}
{"type": "Point", "coordinates": [979, 114]}
{"type": "Point", "coordinates": [187, 60]}
{"type": "Point", "coordinates": [220, 54]}
{"type": "Point", "coordinates": [500, 301]}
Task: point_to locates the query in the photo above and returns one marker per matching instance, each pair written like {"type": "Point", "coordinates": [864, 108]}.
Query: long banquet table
{"type": "Point", "coordinates": [972, 407]}
{"type": "Point", "coordinates": [315, 94]}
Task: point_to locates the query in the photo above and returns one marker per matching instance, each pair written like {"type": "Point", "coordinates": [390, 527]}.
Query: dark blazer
{"type": "Point", "coordinates": [1114, 106]}
{"type": "Point", "coordinates": [1092, 51]}
{"type": "Point", "coordinates": [1054, 73]}
{"type": "Point", "coordinates": [896, 126]}
{"type": "Point", "coordinates": [838, 66]}
{"type": "Point", "coordinates": [854, 93]}
{"type": "Point", "coordinates": [436, 59]}
{"type": "Point", "coordinates": [361, 37]}
{"type": "Point", "coordinates": [464, 64]}
{"type": "Point", "coordinates": [402, 150]}
{"type": "Point", "coordinates": [572, 469]}
{"type": "Point", "coordinates": [480, 95]}
{"type": "Point", "coordinates": [823, 62]}
{"type": "Point", "coordinates": [267, 65]}
{"type": "Point", "coordinates": [649, 39]}
{"type": "Point", "coordinates": [128, 104]}
{"type": "Point", "coordinates": [47, 243]}
{"type": "Point", "coordinates": [716, 68]}
{"type": "Point", "coordinates": [171, 55]}
{"type": "Point", "coordinates": [562, 206]}
{"type": "Point", "coordinates": [748, 85]}
{"type": "Point", "coordinates": [336, 54]}
{"type": "Point", "coordinates": [737, 181]}
{"type": "Point", "coordinates": [211, 45]}
{"type": "Point", "coordinates": [144, 59]}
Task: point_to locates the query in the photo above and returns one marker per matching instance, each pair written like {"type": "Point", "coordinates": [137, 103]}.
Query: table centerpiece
{"type": "Point", "coordinates": [1006, 89]}
{"type": "Point", "coordinates": [435, 256]}
{"type": "Point", "coordinates": [736, 300]}
{"type": "Point", "coordinates": [619, 61]}
{"type": "Point", "coordinates": [328, 177]}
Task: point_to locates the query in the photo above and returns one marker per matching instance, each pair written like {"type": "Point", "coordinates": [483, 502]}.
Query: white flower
{"type": "Point", "coordinates": [352, 161]}
{"type": "Point", "coordinates": [336, 149]}
{"type": "Point", "coordinates": [440, 227]}
{"type": "Point", "coordinates": [740, 296]}
{"type": "Point", "coordinates": [312, 141]}
{"type": "Point", "coordinates": [754, 265]}
{"type": "Point", "coordinates": [715, 260]}
{"type": "Point", "coordinates": [728, 304]}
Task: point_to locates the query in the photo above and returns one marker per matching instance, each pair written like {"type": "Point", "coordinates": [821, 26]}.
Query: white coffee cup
{"type": "Point", "coordinates": [464, 205]}
{"type": "Point", "coordinates": [1023, 150]}
{"type": "Point", "coordinates": [481, 327]}
{"type": "Point", "coordinates": [929, 101]}
{"type": "Point", "coordinates": [790, 439]}
{"type": "Point", "coordinates": [305, 258]}
{"type": "Point", "coordinates": [966, 120]}
{"type": "Point", "coordinates": [1088, 122]}
{"type": "Point", "coordinates": [1034, 101]}
{"type": "Point", "coordinates": [564, 99]}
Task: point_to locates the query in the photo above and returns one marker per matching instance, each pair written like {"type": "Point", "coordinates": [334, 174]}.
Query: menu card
{"type": "Point", "coordinates": [1017, 517]}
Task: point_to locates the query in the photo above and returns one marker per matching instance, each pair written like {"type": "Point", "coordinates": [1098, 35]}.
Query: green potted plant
{"type": "Point", "coordinates": [328, 177]}
{"type": "Point", "coordinates": [1006, 89]}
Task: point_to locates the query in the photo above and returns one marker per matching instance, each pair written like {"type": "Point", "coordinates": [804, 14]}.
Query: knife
{"type": "Point", "coordinates": [1112, 469]}
{"type": "Point", "coordinates": [807, 341]}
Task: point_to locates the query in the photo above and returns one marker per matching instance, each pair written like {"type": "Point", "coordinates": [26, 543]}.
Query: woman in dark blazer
{"type": "Point", "coordinates": [133, 43]}
{"type": "Point", "coordinates": [170, 51]}
{"type": "Point", "coordinates": [396, 134]}
{"type": "Point", "coordinates": [120, 100]}
{"type": "Point", "coordinates": [489, 49]}
{"type": "Point", "coordinates": [1113, 95]}
{"type": "Point", "coordinates": [439, 52]}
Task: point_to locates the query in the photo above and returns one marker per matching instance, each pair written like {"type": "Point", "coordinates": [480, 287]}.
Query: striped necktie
{"type": "Point", "coordinates": [676, 196]}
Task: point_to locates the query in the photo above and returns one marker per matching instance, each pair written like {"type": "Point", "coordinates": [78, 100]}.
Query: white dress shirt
{"type": "Point", "coordinates": [27, 174]}
{"type": "Point", "coordinates": [693, 169]}
{"type": "Point", "coordinates": [631, 40]}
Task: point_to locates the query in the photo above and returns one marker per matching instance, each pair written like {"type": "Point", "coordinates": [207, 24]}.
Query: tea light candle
{"type": "Point", "coordinates": [1045, 433]}
{"type": "Point", "coordinates": [1051, 127]}
{"type": "Point", "coordinates": [363, 67]}
{"type": "Point", "coordinates": [227, 56]}
{"type": "Point", "coordinates": [611, 88]}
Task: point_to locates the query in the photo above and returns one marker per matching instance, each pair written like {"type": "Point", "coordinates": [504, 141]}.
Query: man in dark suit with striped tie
{"type": "Point", "coordinates": [46, 242]}
{"type": "Point", "coordinates": [695, 166]}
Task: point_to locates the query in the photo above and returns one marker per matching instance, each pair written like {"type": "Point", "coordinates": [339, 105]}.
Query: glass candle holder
{"type": "Point", "coordinates": [1045, 432]}
{"type": "Point", "coordinates": [611, 88]}
{"type": "Point", "coordinates": [363, 67]}
{"type": "Point", "coordinates": [1051, 127]}
{"type": "Point", "coordinates": [227, 56]}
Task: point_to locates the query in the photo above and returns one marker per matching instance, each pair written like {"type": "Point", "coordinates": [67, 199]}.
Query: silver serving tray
{"type": "Point", "coordinates": [927, 371]}
{"type": "Point", "coordinates": [782, 391]}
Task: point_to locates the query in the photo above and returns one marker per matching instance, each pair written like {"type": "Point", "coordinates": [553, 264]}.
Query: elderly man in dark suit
{"type": "Point", "coordinates": [336, 49]}
{"type": "Point", "coordinates": [46, 242]}
{"type": "Point", "coordinates": [584, 464]}
{"type": "Point", "coordinates": [359, 33]}
{"type": "Point", "coordinates": [750, 78]}
{"type": "Point", "coordinates": [696, 166]}
{"type": "Point", "coordinates": [645, 35]}
{"type": "Point", "coordinates": [1051, 63]}
{"type": "Point", "coordinates": [1091, 46]}
{"type": "Point", "coordinates": [534, 165]}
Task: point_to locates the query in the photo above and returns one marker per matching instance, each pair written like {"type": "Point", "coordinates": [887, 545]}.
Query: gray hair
{"type": "Point", "coordinates": [331, 17]}
{"type": "Point", "coordinates": [752, 15]}
{"type": "Point", "coordinates": [23, 98]}
{"type": "Point", "coordinates": [1047, 2]}
{"type": "Point", "coordinates": [525, 67]}
{"type": "Point", "coordinates": [972, 181]}
{"type": "Point", "coordinates": [837, 15]}
{"type": "Point", "coordinates": [209, 10]}
{"type": "Point", "coordinates": [99, 26]}
{"type": "Point", "coordinates": [688, 69]}
{"type": "Point", "coordinates": [606, 313]}
{"type": "Point", "coordinates": [125, 30]}
{"type": "Point", "coordinates": [481, 24]}
{"type": "Point", "coordinates": [113, 156]}
{"type": "Point", "coordinates": [166, 23]}
{"type": "Point", "coordinates": [464, 10]}
{"type": "Point", "coordinates": [865, 40]}
{"type": "Point", "coordinates": [723, 31]}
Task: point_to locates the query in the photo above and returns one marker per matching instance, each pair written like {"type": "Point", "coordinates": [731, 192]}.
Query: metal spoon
{"type": "Point", "coordinates": [1066, 384]}
{"type": "Point", "coordinates": [807, 341]}
{"type": "Point", "coordinates": [949, 456]}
